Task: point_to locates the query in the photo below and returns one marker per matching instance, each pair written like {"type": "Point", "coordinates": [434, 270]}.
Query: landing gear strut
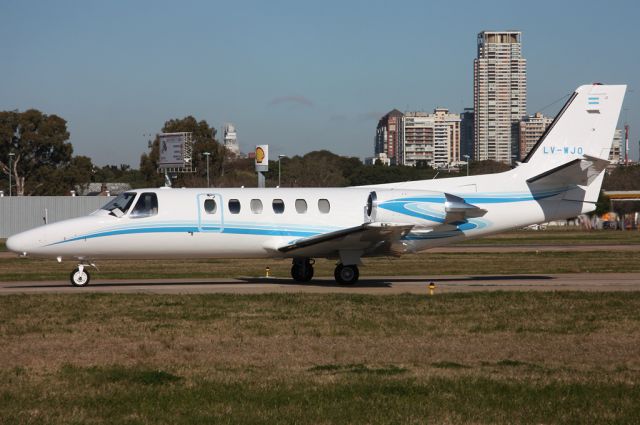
{"type": "Point", "coordinates": [302, 269]}
{"type": "Point", "coordinates": [346, 275]}
{"type": "Point", "coordinates": [80, 276]}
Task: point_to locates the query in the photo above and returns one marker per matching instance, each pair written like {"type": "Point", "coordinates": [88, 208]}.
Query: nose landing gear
{"type": "Point", "coordinates": [80, 275]}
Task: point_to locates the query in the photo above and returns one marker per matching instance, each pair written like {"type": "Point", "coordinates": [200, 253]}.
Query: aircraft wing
{"type": "Point", "coordinates": [369, 238]}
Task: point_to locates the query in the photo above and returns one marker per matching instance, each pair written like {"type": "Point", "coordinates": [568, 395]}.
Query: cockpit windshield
{"type": "Point", "coordinates": [119, 206]}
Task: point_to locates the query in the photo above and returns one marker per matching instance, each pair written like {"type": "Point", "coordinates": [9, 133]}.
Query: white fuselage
{"type": "Point", "coordinates": [183, 228]}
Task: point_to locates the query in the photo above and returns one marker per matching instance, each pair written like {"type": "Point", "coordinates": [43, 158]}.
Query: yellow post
{"type": "Point", "coordinates": [432, 288]}
{"type": "Point", "coordinates": [266, 271]}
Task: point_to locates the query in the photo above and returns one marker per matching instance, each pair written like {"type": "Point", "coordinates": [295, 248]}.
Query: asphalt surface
{"type": "Point", "coordinates": [367, 285]}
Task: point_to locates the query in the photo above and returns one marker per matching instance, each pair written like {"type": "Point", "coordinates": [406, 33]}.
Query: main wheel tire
{"type": "Point", "coordinates": [302, 272]}
{"type": "Point", "coordinates": [346, 275]}
{"type": "Point", "coordinates": [80, 278]}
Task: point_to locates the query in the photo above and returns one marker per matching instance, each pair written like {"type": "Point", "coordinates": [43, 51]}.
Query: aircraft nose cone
{"type": "Point", "coordinates": [16, 243]}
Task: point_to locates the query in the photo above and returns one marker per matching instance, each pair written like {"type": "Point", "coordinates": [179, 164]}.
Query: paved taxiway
{"type": "Point", "coordinates": [367, 285]}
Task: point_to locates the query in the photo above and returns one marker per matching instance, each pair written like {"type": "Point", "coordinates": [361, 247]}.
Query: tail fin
{"type": "Point", "coordinates": [574, 151]}
{"type": "Point", "coordinates": [583, 128]}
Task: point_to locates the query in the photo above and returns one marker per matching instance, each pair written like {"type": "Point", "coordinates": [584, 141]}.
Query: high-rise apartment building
{"type": "Point", "coordinates": [532, 128]}
{"type": "Point", "coordinates": [499, 95]}
{"type": "Point", "coordinates": [430, 139]}
{"type": "Point", "coordinates": [466, 133]}
{"type": "Point", "coordinates": [387, 136]}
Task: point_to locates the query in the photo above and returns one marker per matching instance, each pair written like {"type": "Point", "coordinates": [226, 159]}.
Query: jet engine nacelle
{"type": "Point", "coordinates": [419, 207]}
{"type": "Point", "coordinates": [422, 208]}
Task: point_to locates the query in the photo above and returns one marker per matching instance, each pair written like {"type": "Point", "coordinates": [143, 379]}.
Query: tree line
{"type": "Point", "coordinates": [43, 163]}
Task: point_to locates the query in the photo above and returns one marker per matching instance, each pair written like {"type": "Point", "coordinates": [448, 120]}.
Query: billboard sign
{"type": "Point", "coordinates": [262, 158]}
{"type": "Point", "coordinates": [172, 150]}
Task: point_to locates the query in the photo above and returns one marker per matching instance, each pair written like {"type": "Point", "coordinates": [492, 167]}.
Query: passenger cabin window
{"type": "Point", "coordinates": [120, 205]}
{"type": "Point", "coordinates": [147, 206]}
{"type": "Point", "coordinates": [323, 206]}
{"type": "Point", "coordinates": [278, 206]}
{"type": "Point", "coordinates": [234, 206]}
{"type": "Point", "coordinates": [301, 206]}
{"type": "Point", "coordinates": [256, 206]}
{"type": "Point", "coordinates": [210, 206]}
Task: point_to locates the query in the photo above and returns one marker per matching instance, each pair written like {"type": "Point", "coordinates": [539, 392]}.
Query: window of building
{"type": "Point", "coordinates": [210, 206]}
{"type": "Point", "coordinates": [278, 206]}
{"type": "Point", "coordinates": [234, 206]}
{"type": "Point", "coordinates": [146, 206]}
{"type": "Point", "coordinates": [301, 206]}
{"type": "Point", "coordinates": [323, 206]}
{"type": "Point", "coordinates": [256, 206]}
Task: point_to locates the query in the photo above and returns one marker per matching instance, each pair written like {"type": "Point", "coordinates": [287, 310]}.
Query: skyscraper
{"type": "Point", "coordinates": [499, 95]}
{"type": "Point", "coordinates": [387, 135]}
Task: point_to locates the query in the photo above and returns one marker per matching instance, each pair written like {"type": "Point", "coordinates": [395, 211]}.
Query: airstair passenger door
{"type": "Point", "coordinates": [210, 212]}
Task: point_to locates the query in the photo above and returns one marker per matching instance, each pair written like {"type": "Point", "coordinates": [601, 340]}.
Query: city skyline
{"type": "Point", "coordinates": [295, 76]}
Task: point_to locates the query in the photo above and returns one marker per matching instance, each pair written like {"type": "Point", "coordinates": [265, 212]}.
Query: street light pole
{"type": "Point", "coordinates": [11, 155]}
{"type": "Point", "coordinates": [207, 154]}
{"type": "Point", "coordinates": [279, 158]}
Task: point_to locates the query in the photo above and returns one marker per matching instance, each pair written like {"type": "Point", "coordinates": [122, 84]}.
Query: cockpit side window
{"type": "Point", "coordinates": [120, 205]}
{"type": "Point", "coordinates": [147, 205]}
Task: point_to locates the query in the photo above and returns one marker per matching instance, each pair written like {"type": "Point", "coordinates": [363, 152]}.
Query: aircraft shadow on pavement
{"type": "Point", "coordinates": [363, 283]}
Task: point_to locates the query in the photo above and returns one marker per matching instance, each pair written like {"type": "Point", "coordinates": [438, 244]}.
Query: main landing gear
{"type": "Point", "coordinates": [346, 275]}
{"type": "Point", "coordinates": [302, 271]}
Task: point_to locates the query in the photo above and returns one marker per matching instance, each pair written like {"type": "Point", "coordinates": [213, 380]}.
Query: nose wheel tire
{"type": "Point", "coordinates": [80, 277]}
{"type": "Point", "coordinates": [302, 271]}
{"type": "Point", "coordinates": [346, 275]}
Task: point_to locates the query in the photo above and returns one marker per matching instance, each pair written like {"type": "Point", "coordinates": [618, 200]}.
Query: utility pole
{"type": "Point", "coordinates": [207, 154]}
{"type": "Point", "coordinates": [279, 158]}
{"type": "Point", "coordinates": [11, 155]}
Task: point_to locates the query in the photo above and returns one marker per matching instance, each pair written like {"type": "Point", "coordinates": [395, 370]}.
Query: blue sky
{"type": "Point", "coordinates": [296, 75]}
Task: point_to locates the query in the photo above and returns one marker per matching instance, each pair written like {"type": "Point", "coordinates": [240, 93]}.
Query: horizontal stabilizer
{"type": "Point", "coordinates": [580, 171]}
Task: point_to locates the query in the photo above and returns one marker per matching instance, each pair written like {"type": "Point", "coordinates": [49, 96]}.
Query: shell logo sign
{"type": "Point", "coordinates": [259, 155]}
{"type": "Point", "coordinates": [262, 158]}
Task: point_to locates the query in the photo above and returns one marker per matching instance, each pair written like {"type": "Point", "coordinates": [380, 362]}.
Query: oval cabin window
{"type": "Point", "coordinates": [323, 206]}
{"type": "Point", "coordinates": [234, 206]}
{"type": "Point", "coordinates": [301, 206]}
{"type": "Point", "coordinates": [210, 206]}
{"type": "Point", "coordinates": [278, 206]}
{"type": "Point", "coordinates": [256, 206]}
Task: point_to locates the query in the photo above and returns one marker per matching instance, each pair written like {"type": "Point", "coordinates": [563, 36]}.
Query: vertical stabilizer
{"type": "Point", "coordinates": [583, 128]}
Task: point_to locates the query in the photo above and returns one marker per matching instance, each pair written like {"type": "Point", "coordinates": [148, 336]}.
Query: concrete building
{"type": "Point", "coordinates": [618, 143]}
{"type": "Point", "coordinates": [466, 133]}
{"type": "Point", "coordinates": [430, 139]}
{"type": "Point", "coordinates": [387, 136]}
{"type": "Point", "coordinates": [499, 95]}
{"type": "Point", "coordinates": [231, 139]}
{"type": "Point", "coordinates": [380, 158]}
{"type": "Point", "coordinates": [531, 129]}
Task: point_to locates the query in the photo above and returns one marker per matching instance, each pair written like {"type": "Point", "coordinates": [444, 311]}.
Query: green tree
{"type": "Point", "coordinates": [42, 153]}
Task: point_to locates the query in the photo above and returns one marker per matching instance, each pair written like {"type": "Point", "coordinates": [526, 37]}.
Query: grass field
{"type": "Point", "coordinates": [308, 359]}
